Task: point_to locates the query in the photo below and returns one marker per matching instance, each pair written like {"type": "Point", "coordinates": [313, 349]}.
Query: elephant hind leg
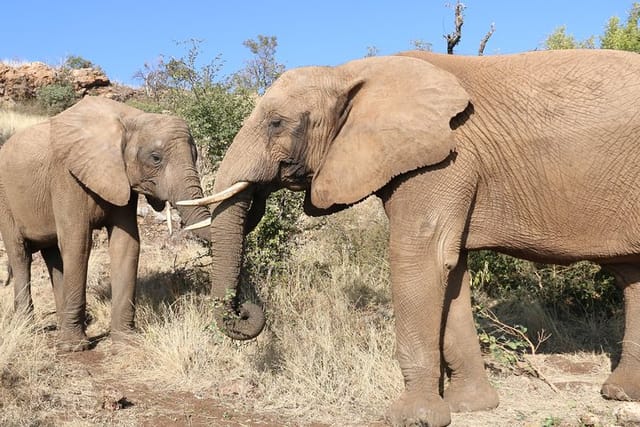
{"type": "Point", "coordinates": [469, 388]}
{"type": "Point", "coordinates": [20, 273]}
{"type": "Point", "coordinates": [624, 381]}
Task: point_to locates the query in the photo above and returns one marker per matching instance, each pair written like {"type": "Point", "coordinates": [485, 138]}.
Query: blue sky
{"type": "Point", "coordinates": [121, 35]}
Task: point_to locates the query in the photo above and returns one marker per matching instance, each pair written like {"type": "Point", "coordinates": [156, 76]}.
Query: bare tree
{"type": "Point", "coordinates": [454, 38]}
{"type": "Point", "coordinates": [154, 77]}
{"type": "Point", "coordinates": [485, 39]}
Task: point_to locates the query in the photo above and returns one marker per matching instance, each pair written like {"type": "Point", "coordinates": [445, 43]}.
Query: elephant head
{"type": "Point", "coordinates": [338, 133]}
{"type": "Point", "coordinates": [114, 149]}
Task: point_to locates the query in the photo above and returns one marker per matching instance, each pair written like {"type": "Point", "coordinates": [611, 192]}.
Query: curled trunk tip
{"type": "Point", "coordinates": [245, 323]}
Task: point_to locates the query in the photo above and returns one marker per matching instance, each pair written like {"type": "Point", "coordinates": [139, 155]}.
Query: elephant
{"type": "Point", "coordinates": [82, 170]}
{"type": "Point", "coordinates": [535, 155]}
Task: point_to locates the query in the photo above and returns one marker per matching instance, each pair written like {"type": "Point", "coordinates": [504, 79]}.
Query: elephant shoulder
{"type": "Point", "coordinates": [28, 146]}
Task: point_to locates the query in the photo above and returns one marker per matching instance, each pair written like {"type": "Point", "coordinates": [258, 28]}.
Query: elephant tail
{"type": "Point", "coordinates": [9, 275]}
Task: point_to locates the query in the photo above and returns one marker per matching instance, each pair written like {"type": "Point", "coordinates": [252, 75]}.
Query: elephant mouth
{"type": "Point", "coordinates": [294, 176]}
{"type": "Point", "coordinates": [156, 204]}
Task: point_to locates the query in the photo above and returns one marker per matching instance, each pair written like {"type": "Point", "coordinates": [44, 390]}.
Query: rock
{"type": "Point", "coordinates": [628, 413]}
{"type": "Point", "coordinates": [84, 79]}
{"type": "Point", "coordinates": [22, 81]}
{"type": "Point", "coordinates": [589, 420]}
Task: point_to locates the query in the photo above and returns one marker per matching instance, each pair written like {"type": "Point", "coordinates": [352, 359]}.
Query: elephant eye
{"type": "Point", "coordinates": [156, 158]}
{"type": "Point", "coordinates": [275, 123]}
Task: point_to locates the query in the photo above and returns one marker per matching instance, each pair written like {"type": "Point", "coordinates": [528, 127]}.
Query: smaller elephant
{"type": "Point", "coordinates": [83, 170]}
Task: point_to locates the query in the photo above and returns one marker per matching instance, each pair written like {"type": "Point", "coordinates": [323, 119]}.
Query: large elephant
{"type": "Point", "coordinates": [81, 170]}
{"type": "Point", "coordinates": [536, 155]}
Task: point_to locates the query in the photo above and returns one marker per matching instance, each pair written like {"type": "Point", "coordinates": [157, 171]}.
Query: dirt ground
{"type": "Point", "coordinates": [567, 395]}
{"type": "Point", "coordinates": [553, 390]}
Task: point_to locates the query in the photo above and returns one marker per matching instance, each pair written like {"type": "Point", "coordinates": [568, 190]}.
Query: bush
{"type": "Point", "coordinates": [571, 290]}
{"type": "Point", "coordinates": [270, 244]}
{"type": "Point", "coordinates": [56, 97]}
{"type": "Point", "coordinates": [75, 62]}
{"type": "Point", "coordinates": [215, 116]}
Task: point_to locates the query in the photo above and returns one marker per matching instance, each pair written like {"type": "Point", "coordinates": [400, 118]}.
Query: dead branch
{"type": "Point", "coordinates": [454, 38]}
{"type": "Point", "coordinates": [486, 38]}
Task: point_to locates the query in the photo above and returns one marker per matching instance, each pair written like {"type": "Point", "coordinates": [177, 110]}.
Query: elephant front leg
{"type": "Point", "coordinates": [75, 246]}
{"type": "Point", "coordinates": [417, 274]}
{"type": "Point", "coordinates": [124, 252]}
{"type": "Point", "coordinates": [624, 381]}
{"type": "Point", "coordinates": [469, 388]}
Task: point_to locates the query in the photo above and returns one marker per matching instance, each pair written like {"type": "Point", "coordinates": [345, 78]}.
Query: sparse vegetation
{"type": "Point", "coordinates": [12, 121]}
{"type": "Point", "coordinates": [56, 97]}
{"type": "Point", "coordinates": [327, 352]}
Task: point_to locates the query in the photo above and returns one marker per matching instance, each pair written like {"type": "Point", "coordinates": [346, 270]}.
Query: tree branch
{"type": "Point", "coordinates": [486, 38]}
{"type": "Point", "coordinates": [454, 38]}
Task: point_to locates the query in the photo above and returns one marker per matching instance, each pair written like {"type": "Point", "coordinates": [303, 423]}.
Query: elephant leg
{"type": "Point", "coordinates": [20, 263]}
{"type": "Point", "coordinates": [124, 251]}
{"type": "Point", "coordinates": [469, 389]}
{"type": "Point", "coordinates": [418, 274]}
{"type": "Point", "coordinates": [19, 260]}
{"type": "Point", "coordinates": [624, 381]}
{"type": "Point", "coordinates": [75, 245]}
{"type": "Point", "coordinates": [53, 260]}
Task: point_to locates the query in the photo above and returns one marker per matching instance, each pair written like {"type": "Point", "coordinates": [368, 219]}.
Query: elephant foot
{"type": "Point", "coordinates": [68, 342]}
{"type": "Point", "coordinates": [121, 341]}
{"type": "Point", "coordinates": [417, 409]}
{"type": "Point", "coordinates": [622, 384]}
{"type": "Point", "coordinates": [468, 396]}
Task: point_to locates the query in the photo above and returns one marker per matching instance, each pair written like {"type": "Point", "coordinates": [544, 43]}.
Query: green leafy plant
{"type": "Point", "coordinates": [56, 97]}
{"type": "Point", "coordinates": [269, 245]}
{"type": "Point", "coordinates": [75, 62]}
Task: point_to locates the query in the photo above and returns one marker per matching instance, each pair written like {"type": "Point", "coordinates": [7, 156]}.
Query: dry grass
{"type": "Point", "coordinates": [12, 121]}
{"type": "Point", "coordinates": [326, 354]}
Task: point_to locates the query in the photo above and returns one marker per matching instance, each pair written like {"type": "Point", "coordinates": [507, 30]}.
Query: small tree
{"type": "Point", "coordinates": [261, 70]}
{"type": "Point", "coordinates": [559, 39]}
{"type": "Point", "coordinates": [623, 37]}
{"type": "Point", "coordinates": [422, 45]}
{"type": "Point", "coordinates": [454, 38]}
{"type": "Point", "coordinates": [75, 62]}
{"type": "Point", "coordinates": [154, 78]}
{"type": "Point", "coordinates": [372, 51]}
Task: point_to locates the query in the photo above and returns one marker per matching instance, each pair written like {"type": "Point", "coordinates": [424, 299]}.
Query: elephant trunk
{"type": "Point", "coordinates": [190, 189]}
{"type": "Point", "coordinates": [241, 321]}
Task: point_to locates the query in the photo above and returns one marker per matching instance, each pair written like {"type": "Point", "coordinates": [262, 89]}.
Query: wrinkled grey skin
{"type": "Point", "coordinates": [536, 155]}
{"type": "Point", "coordinates": [83, 170]}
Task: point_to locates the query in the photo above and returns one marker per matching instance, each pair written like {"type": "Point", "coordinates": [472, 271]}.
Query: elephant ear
{"type": "Point", "coordinates": [399, 113]}
{"type": "Point", "coordinates": [88, 139]}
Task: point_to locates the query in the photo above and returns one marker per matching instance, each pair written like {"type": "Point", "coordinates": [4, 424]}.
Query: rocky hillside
{"type": "Point", "coordinates": [21, 82]}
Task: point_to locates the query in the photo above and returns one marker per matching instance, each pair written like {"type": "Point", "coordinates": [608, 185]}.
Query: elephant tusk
{"type": "Point", "coordinates": [169, 221]}
{"type": "Point", "coordinates": [218, 197]}
{"type": "Point", "coordinates": [201, 224]}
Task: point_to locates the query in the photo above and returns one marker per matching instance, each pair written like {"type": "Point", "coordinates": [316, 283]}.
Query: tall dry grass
{"type": "Point", "coordinates": [12, 121]}
{"type": "Point", "coordinates": [325, 356]}
{"type": "Point", "coordinates": [327, 353]}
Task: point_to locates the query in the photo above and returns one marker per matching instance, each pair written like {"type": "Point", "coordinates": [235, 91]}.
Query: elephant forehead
{"type": "Point", "coordinates": [302, 78]}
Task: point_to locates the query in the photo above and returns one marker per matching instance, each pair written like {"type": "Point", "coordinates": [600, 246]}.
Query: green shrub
{"type": "Point", "coordinates": [571, 290]}
{"type": "Point", "coordinates": [270, 244]}
{"type": "Point", "coordinates": [56, 97]}
{"type": "Point", "coordinates": [215, 117]}
{"type": "Point", "coordinates": [146, 104]}
{"type": "Point", "coordinates": [75, 62]}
